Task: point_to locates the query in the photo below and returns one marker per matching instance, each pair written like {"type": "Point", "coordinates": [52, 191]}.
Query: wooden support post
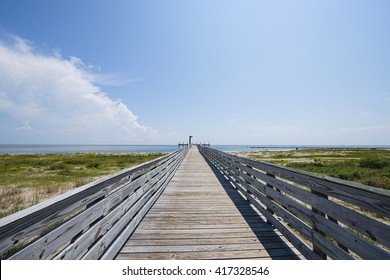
{"type": "Point", "coordinates": [269, 186]}
{"type": "Point", "coordinates": [338, 243]}
{"type": "Point", "coordinates": [315, 210]}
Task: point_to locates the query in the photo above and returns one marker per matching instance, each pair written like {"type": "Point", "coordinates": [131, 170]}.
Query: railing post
{"type": "Point", "coordinates": [267, 185]}
{"type": "Point", "coordinates": [338, 243]}
{"type": "Point", "coordinates": [251, 176]}
{"type": "Point", "coordinates": [317, 250]}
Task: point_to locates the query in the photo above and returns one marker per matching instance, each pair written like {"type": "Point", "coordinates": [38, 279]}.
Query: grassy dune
{"type": "Point", "coordinates": [26, 180]}
{"type": "Point", "coordinates": [29, 179]}
{"type": "Point", "coordinates": [366, 166]}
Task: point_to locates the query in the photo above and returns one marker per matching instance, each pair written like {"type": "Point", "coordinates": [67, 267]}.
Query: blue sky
{"type": "Point", "coordinates": [228, 72]}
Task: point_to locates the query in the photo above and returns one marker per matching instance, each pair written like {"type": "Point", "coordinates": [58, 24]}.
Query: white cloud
{"type": "Point", "coordinates": [25, 127]}
{"type": "Point", "coordinates": [21, 45]}
{"type": "Point", "coordinates": [61, 97]}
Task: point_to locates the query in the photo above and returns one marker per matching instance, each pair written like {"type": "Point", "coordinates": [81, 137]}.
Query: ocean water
{"type": "Point", "coordinates": [249, 148]}
{"type": "Point", "coordinates": [68, 149]}
{"type": "Point", "coordinates": [114, 149]}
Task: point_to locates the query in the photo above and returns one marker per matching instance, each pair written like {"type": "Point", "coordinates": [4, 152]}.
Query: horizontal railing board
{"type": "Point", "coordinates": [384, 228]}
{"type": "Point", "coordinates": [372, 198]}
{"type": "Point", "coordinates": [293, 221]}
{"type": "Point", "coordinates": [97, 203]}
{"type": "Point", "coordinates": [23, 225]}
{"type": "Point", "coordinates": [366, 197]}
{"type": "Point", "coordinates": [80, 193]}
{"type": "Point", "coordinates": [295, 240]}
{"type": "Point", "coordinates": [112, 234]}
{"type": "Point", "coordinates": [81, 245]}
{"type": "Point", "coordinates": [277, 199]}
{"type": "Point", "coordinates": [105, 242]}
{"type": "Point", "coordinates": [102, 244]}
{"type": "Point", "coordinates": [332, 250]}
{"type": "Point", "coordinates": [74, 250]}
{"type": "Point", "coordinates": [380, 198]}
{"type": "Point", "coordinates": [44, 247]}
{"type": "Point", "coordinates": [48, 244]}
{"type": "Point", "coordinates": [113, 249]}
{"type": "Point", "coordinates": [120, 240]}
{"type": "Point", "coordinates": [352, 241]}
{"type": "Point", "coordinates": [378, 231]}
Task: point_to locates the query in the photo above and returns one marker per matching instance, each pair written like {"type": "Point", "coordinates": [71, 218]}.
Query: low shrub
{"type": "Point", "coordinates": [373, 162]}
{"type": "Point", "coordinates": [93, 165]}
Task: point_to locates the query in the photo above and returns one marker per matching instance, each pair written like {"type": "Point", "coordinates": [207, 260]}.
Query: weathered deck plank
{"type": "Point", "coordinates": [200, 216]}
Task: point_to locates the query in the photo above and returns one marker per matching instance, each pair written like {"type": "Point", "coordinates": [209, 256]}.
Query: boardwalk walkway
{"type": "Point", "coordinates": [201, 216]}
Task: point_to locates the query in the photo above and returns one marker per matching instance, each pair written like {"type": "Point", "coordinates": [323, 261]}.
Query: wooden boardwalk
{"type": "Point", "coordinates": [189, 204]}
{"type": "Point", "coordinates": [201, 216]}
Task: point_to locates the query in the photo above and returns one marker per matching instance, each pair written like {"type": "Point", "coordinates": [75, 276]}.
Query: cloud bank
{"type": "Point", "coordinates": [56, 100]}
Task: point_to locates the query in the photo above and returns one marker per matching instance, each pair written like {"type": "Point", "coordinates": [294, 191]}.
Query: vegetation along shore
{"type": "Point", "coordinates": [366, 166]}
{"type": "Point", "coordinates": [26, 180]}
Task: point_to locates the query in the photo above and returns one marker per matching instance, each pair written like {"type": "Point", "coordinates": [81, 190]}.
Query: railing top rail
{"type": "Point", "coordinates": [90, 187]}
{"type": "Point", "coordinates": [279, 171]}
{"type": "Point", "coordinates": [370, 198]}
{"type": "Point", "coordinates": [336, 216]}
{"type": "Point", "coordinates": [36, 222]}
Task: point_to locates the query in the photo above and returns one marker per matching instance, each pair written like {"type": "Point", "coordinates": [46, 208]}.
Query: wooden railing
{"type": "Point", "coordinates": [90, 222]}
{"type": "Point", "coordinates": [323, 217]}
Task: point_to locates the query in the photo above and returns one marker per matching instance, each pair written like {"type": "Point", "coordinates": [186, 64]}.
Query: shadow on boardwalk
{"type": "Point", "coordinates": [271, 241]}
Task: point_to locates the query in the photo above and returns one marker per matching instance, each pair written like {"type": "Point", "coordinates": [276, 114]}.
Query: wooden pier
{"type": "Point", "coordinates": [201, 216]}
{"type": "Point", "coordinates": [201, 203]}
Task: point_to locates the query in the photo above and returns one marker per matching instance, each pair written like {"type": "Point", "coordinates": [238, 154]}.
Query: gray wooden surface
{"type": "Point", "coordinates": [336, 217]}
{"type": "Point", "coordinates": [90, 222]}
{"type": "Point", "coordinates": [201, 216]}
{"type": "Point", "coordinates": [215, 206]}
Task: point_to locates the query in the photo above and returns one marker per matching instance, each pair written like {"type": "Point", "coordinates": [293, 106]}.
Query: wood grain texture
{"type": "Point", "coordinates": [24, 225]}
{"type": "Point", "coordinates": [352, 241]}
{"type": "Point", "coordinates": [201, 216]}
{"type": "Point", "coordinates": [367, 197]}
{"type": "Point", "coordinates": [67, 226]}
{"type": "Point", "coordinates": [300, 199]}
{"type": "Point", "coordinates": [216, 206]}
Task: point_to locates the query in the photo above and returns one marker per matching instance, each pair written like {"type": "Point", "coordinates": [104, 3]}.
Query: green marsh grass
{"type": "Point", "coordinates": [366, 166]}
{"type": "Point", "coordinates": [26, 180]}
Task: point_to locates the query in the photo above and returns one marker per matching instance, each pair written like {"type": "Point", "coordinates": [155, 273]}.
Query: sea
{"type": "Point", "coordinates": [118, 149]}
